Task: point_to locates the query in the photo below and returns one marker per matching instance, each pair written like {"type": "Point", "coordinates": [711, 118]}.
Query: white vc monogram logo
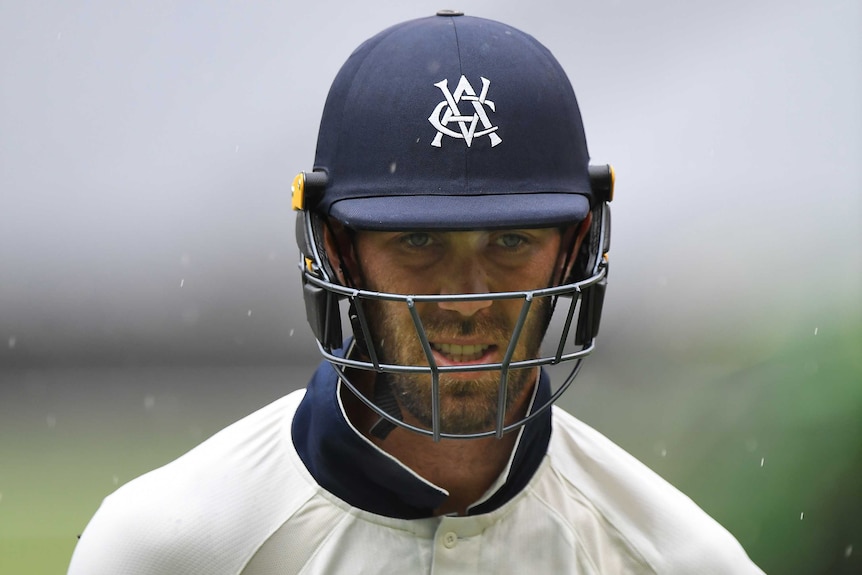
{"type": "Point", "coordinates": [447, 112]}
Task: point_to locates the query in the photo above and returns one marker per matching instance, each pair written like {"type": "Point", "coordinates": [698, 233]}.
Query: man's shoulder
{"type": "Point", "coordinates": [639, 510]}
{"type": "Point", "coordinates": [209, 508]}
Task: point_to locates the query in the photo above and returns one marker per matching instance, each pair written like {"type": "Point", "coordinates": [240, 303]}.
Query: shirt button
{"type": "Point", "coordinates": [450, 540]}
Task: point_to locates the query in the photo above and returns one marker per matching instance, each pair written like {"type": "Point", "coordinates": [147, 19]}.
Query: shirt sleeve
{"type": "Point", "coordinates": [127, 535]}
{"type": "Point", "coordinates": [205, 513]}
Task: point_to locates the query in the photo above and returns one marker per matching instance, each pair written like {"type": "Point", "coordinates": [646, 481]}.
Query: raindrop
{"type": "Point", "coordinates": [115, 479]}
{"type": "Point", "coordinates": [52, 421]}
{"type": "Point", "coordinates": [392, 167]}
{"type": "Point", "coordinates": [249, 313]}
{"type": "Point", "coordinates": [12, 341]}
{"type": "Point", "coordinates": [291, 333]}
{"type": "Point", "coordinates": [149, 402]}
{"type": "Point", "coordinates": [802, 516]}
{"type": "Point", "coordinates": [815, 331]}
{"type": "Point", "coordinates": [182, 282]}
{"type": "Point", "coordinates": [762, 459]}
{"type": "Point", "coordinates": [847, 552]}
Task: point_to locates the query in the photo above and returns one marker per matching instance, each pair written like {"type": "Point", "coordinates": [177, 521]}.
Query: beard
{"type": "Point", "coordinates": [468, 404]}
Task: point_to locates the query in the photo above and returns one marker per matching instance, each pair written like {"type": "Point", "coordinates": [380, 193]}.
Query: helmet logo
{"type": "Point", "coordinates": [448, 112]}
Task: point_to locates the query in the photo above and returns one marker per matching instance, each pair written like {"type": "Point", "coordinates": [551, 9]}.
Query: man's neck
{"type": "Point", "coordinates": [466, 468]}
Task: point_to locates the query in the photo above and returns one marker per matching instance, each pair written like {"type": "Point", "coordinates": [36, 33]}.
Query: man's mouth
{"type": "Point", "coordinates": [456, 353]}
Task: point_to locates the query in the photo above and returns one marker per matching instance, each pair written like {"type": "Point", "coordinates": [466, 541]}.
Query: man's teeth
{"type": "Point", "coordinates": [461, 353]}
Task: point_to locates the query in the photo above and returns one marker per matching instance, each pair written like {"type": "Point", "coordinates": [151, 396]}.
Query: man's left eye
{"type": "Point", "coordinates": [511, 240]}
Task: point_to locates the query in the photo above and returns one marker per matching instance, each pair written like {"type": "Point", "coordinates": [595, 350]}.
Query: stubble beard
{"type": "Point", "coordinates": [469, 405]}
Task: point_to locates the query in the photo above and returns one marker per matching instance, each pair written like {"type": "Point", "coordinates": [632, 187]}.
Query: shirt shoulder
{"type": "Point", "coordinates": [631, 509]}
{"type": "Point", "coordinates": [208, 511]}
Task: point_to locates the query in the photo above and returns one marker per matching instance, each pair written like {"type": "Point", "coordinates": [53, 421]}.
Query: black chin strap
{"type": "Point", "coordinates": [383, 396]}
{"type": "Point", "coordinates": [385, 400]}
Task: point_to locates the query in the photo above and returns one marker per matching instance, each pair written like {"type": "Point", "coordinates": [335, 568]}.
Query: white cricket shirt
{"type": "Point", "coordinates": [244, 503]}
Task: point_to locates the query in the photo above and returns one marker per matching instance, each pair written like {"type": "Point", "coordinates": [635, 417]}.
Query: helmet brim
{"type": "Point", "coordinates": [437, 212]}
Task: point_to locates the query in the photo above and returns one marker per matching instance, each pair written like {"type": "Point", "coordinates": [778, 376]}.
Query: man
{"type": "Point", "coordinates": [451, 216]}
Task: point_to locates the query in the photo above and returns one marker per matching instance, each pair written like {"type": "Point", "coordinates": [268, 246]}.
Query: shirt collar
{"type": "Point", "coordinates": [355, 470]}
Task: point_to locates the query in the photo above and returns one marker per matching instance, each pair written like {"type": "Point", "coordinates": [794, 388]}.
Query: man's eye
{"type": "Point", "coordinates": [511, 240]}
{"type": "Point", "coordinates": [417, 240]}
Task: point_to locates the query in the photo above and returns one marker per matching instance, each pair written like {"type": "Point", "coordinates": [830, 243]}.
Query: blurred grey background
{"type": "Point", "coordinates": [147, 153]}
{"type": "Point", "coordinates": [148, 285]}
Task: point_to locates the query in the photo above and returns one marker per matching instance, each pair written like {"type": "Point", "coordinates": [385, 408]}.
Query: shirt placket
{"type": "Point", "coordinates": [457, 546]}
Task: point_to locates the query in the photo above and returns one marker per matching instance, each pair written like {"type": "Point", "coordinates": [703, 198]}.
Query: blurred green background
{"type": "Point", "coordinates": [766, 436]}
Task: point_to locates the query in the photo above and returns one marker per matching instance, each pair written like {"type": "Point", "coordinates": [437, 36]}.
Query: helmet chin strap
{"type": "Point", "coordinates": [385, 400]}
{"type": "Point", "coordinates": [382, 396]}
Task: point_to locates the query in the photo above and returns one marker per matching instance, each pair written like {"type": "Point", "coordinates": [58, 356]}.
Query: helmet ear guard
{"type": "Point", "coordinates": [322, 311]}
{"type": "Point", "coordinates": [321, 306]}
{"type": "Point", "coordinates": [593, 255]}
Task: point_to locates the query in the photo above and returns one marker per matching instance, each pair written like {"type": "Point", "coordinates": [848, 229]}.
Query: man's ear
{"type": "Point", "coordinates": [341, 252]}
{"type": "Point", "coordinates": [573, 237]}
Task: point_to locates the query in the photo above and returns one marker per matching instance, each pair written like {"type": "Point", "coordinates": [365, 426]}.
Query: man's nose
{"type": "Point", "coordinates": [468, 278]}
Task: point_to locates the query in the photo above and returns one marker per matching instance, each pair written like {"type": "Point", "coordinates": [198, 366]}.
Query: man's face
{"type": "Point", "coordinates": [460, 333]}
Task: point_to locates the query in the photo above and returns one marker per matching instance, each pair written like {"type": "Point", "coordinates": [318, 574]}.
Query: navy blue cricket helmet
{"type": "Point", "coordinates": [451, 122]}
